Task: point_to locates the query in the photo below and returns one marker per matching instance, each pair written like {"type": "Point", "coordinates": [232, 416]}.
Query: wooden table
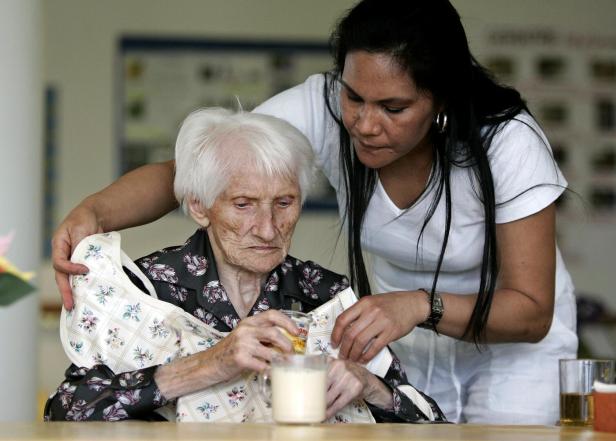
{"type": "Point", "coordinates": [140, 431]}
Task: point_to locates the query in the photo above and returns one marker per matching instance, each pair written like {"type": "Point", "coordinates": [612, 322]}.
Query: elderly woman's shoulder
{"type": "Point", "coordinates": [311, 279]}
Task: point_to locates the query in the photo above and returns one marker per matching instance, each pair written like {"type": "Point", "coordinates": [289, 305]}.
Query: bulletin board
{"type": "Point", "coordinates": [569, 81]}
{"type": "Point", "coordinates": [161, 80]}
{"type": "Point", "coordinates": [568, 78]}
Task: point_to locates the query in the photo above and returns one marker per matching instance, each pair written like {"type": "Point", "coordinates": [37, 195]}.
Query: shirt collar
{"type": "Point", "coordinates": [195, 267]}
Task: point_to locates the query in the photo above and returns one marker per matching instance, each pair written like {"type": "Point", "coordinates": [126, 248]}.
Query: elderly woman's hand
{"type": "Point", "coordinates": [249, 347]}
{"type": "Point", "coordinates": [253, 344]}
{"type": "Point", "coordinates": [348, 381]}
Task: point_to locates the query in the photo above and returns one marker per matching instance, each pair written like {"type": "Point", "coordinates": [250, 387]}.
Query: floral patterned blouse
{"type": "Point", "coordinates": [186, 276]}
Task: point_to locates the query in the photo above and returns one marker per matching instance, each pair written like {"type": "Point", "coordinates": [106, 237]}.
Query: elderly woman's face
{"type": "Point", "coordinates": [252, 220]}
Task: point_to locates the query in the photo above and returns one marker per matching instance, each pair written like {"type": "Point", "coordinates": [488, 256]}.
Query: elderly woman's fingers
{"type": "Point", "coordinates": [273, 317]}
{"type": "Point", "coordinates": [244, 349]}
{"type": "Point", "coordinates": [256, 360]}
{"type": "Point", "coordinates": [343, 386]}
{"type": "Point", "coordinates": [336, 406]}
{"type": "Point", "coordinates": [274, 337]}
{"type": "Point", "coordinates": [264, 356]}
{"type": "Point", "coordinates": [251, 335]}
{"type": "Point", "coordinates": [334, 372]}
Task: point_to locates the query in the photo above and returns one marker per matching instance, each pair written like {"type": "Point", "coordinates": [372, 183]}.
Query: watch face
{"type": "Point", "coordinates": [436, 312]}
{"type": "Point", "coordinates": [438, 304]}
{"type": "Point", "coordinates": [437, 307]}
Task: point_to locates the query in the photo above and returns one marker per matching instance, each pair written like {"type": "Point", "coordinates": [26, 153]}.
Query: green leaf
{"type": "Point", "coordinates": [12, 288]}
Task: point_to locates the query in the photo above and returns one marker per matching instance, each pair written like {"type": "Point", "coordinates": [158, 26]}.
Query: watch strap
{"type": "Point", "coordinates": [436, 310]}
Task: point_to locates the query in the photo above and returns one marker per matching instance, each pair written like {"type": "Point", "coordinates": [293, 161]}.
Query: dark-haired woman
{"type": "Point", "coordinates": [444, 177]}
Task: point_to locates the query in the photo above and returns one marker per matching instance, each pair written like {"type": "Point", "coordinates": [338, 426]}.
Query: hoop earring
{"type": "Point", "coordinates": [441, 122]}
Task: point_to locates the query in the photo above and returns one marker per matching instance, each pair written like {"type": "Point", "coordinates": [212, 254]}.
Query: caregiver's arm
{"type": "Point", "coordinates": [523, 304]}
{"type": "Point", "coordinates": [140, 196]}
{"type": "Point", "coordinates": [522, 307]}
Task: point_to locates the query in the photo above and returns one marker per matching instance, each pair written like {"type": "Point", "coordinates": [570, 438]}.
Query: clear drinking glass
{"type": "Point", "coordinates": [302, 321]}
{"type": "Point", "coordinates": [296, 388]}
{"type": "Point", "coordinates": [576, 379]}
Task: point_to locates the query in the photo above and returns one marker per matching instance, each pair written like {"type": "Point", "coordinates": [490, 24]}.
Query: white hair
{"type": "Point", "coordinates": [211, 141]}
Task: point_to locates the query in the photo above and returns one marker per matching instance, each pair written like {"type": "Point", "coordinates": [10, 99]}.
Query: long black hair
{"type": "Point", "coordinates": [427, 39]}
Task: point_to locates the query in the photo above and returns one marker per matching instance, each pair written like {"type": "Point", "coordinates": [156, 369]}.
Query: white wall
{"type": "Point", "coordinates": [20, 196]}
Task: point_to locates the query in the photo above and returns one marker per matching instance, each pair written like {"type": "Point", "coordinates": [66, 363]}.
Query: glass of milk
{"type": "Point", "coordinates": [297, 388]}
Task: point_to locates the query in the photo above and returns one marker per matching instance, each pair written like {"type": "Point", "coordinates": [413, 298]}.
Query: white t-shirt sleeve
{"type": "Point", "coordinates": [304, 107]}
{"type": "Point", "coordinates": [526, 177]}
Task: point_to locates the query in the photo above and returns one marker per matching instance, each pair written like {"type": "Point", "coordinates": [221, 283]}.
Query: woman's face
{"type": "Point", "coordinates": [384, 113]}
{"type": "Point", "coordinates": [252, 220]}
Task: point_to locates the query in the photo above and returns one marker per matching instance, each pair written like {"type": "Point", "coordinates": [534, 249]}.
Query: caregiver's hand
{"type": "Point", "coordinates": [79, 223]}
{"type": "Point", "coordinates": [348, 381]}
{"type": "Point", "coordinates": [138, 197]}
{"type": "Point", "coordinates": [375, 321]}
{"type": "Point", "coordinates": [249, 347]}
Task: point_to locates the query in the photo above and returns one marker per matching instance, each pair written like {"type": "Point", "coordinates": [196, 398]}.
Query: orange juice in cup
{"type": "Point", "coordinates": [302, 321]}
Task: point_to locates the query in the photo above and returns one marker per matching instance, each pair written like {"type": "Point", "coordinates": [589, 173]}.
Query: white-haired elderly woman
{"type": "Point", "coordinates": [242, 177]}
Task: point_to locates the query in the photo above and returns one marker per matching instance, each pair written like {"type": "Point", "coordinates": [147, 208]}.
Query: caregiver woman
{"type": "Point", "coordinates": [451, 187]}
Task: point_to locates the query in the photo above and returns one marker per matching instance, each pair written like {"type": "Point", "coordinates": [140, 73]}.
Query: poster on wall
{"type": "Point", "coordinates": [568, 78]}
{"type": "Point", "coordinates": [161, 80]}
{"type": "Point", "coordinates": [569, 81]}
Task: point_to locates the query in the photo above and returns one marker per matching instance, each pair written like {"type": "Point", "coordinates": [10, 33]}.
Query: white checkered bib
{"type": "Point", "coordinates": [114, 323]}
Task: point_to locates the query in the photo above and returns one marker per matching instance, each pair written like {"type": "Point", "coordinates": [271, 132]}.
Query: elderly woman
{"type": "Point", "coordinates": [242, 177]}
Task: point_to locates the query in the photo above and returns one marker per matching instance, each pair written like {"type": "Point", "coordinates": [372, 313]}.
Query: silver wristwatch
{"type": "Point", "coordinates": [436, 311]}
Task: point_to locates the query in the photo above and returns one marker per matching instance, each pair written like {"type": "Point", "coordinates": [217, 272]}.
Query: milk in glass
{"type": "Point", "coordinates": [298, 394]}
